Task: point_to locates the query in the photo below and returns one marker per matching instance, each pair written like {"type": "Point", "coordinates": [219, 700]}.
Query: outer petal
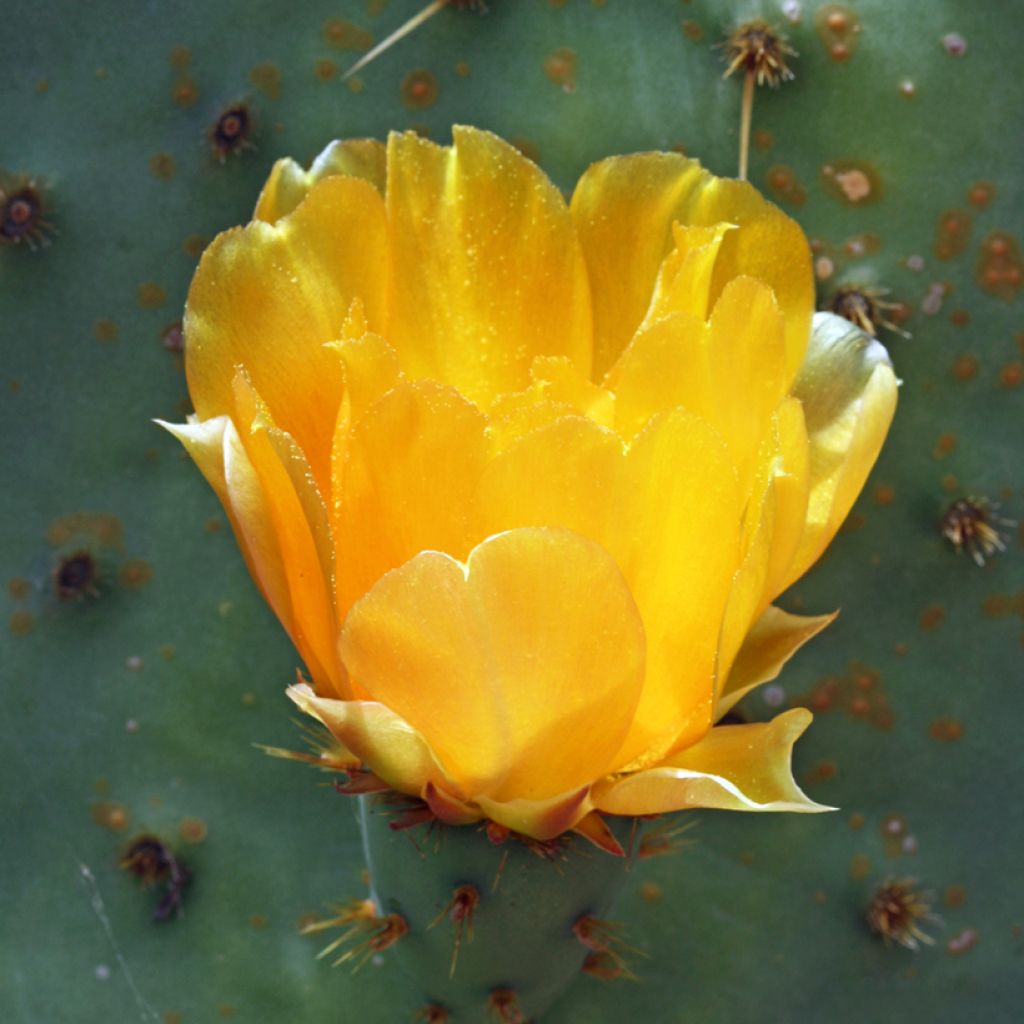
{"type": "Point", "coordinates": [774, 639]}
{"type": "Point", "coordinates": [377, 736]}
{"type": "Point", "coordinates": [487, 270]}
{"type": "Point", "coordinates": [624, 210]}
{"type": "Point", "coordinates": [412, 468]}
{"type": "Point", "coordinates": [293, 509]}
{"type": "Point", "coordinates": [267, 297]}
{"type": "Point", "coordinates": [521, 669]}
{"type": "Point", "coordinates": [289, 184]}
{"type": "Point", "coordinates": [735, 767]}
{"type": "Point", "coordinates": [848, 390]}
{"type": "Point", "coordinates": [217, 451]}
{"type": "Point", "coordinates": [541, 819]}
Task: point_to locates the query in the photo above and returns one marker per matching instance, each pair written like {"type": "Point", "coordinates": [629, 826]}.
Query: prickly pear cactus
{"type": "Point", "coordinates": [156, 866]}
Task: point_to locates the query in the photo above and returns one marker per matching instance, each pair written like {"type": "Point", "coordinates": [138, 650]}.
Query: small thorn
{"type": "Point", "coordinates": [503, 1004]}
{"type": "Point", "coordinates": [432, 1013]}
{"type": "Point", "coordinates": [361, 781]}
{"type": "Point", "coordinates": [400, 33]}
{"type": "Point", "coordinates": [411, 818]}
{"type": "Point", "coordinates": [360, 918]}
{"type": "Point", "coordinates": [496, 833]}
{"type": "Point", "coordinates": [607, 949]}
{"type": "Point", "coordinates": [663, 839]}
{"type": "Point", "coordinates": [896, 912]}
{"type": "Point", "coordinates": [607, 967]}
{"type": "Point", "coordinates": [460, 910]}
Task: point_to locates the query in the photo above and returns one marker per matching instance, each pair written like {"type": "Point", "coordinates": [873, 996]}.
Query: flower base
{"type": "Point", "coordinates": [497, 924]}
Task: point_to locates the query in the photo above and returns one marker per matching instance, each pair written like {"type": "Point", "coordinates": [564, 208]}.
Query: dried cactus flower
{"type": "Point", "coordinates": [522, 479]}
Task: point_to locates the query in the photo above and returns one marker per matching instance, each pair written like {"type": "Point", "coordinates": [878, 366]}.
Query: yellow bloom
{"type": "Point", "coordinates": [522, 479]}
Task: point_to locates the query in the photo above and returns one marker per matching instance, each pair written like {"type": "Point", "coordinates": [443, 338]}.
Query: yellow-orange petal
{"type": "Point", "coordinates": [771, 642]}
{"type": "Point", "coordinates": [540, 819]}
{"type": "Point", "coordinates": [217, 451]}
{"type": "Point", "coordinates": [521, 668]}
{"type": "Point", "coordinates": [289, 183]}
{"type": "Point", "coordinates": [568, 472]}
{"type": "Point", "coordinates": [772, 526]}
{"type": "Point", "coordinates": [677, 541]}
{"type": "Point", "coordinates": [665, 366]}
{"type": "Point", "coordinates": [487, 272]}
{"type": "Point", "coordinates": [624, 209]}
{"type": "Point", "coordinates": [412, 467]}
{"type": "Point", "coordinates": [735, 767]}
{"type": "Point", "coordinates": [685, 275]}
{"type": "Point", "coordinates": [291, 507]}
{"type": "Point", "coordinates": [848, 391]}
{"type": "Point", "coordinates": [389, 746]}
{"type": "Point", "coordinates": [267, 297]}
{"type": "Point", "coordinates": [747, 361]}
{"type": "Point", "coordinates": [448, 808]}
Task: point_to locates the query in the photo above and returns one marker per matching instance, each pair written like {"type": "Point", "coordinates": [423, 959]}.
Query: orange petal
{"type": "Point", "coordinates": [289, 184]}
{"type": "Point", "coordinates": [449, 809]}
{"type": "Point", "coordinates": [412, 468]}
{"type": "Point", "coordinates": [568, 473]}
{"type": "Point", "coordinates": [735, 767]}
{"type": "Point", "coordinates": [217, 451]}
{"type": "Point", "coordinates": [772, 527]}
{"type": "Point", "coordinates": [295, 511]}
{"type": "Point", "coordinates": [267, 297]}
{"type": "Point", "coordinates": [595, 829]}
{"type": "Point", "coordinates": [774, 639]}
{"type": "Point", "coordinates": [848, 390]}
{"type": "Point", "coordinates": [624, 209]}
{"type": "Point", "coordinates": [665, 366]}
{"type": "Point", "coordinates": [521, 669]}
{"type": "Point", "coordinates": [487, 269]}
{"type": "Point", "coordinates": [747, 360]}
{"type": "Point", "coordinates": [678, 543]}
{"type": "Point", "coordinates": [389, 746]}
{"type": "Point", "coordinates": [540, 819]}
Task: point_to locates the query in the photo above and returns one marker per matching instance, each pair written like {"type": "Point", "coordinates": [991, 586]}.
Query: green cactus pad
{"type": "Point", "coordinates": [131, 706]}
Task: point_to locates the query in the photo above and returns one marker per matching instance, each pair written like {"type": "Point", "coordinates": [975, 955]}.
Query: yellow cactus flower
{"type": "Point", "coordinates": [521, 479]}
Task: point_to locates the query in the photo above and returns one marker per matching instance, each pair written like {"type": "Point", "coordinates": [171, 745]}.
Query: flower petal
{"type": "Point", "coordinates": [295, 512]}
{"type": "Point", "coordinates": [412, 467]}
{"type": "Point", "coordinates": [267, 297]}
{"type": "Point", "coordinates": [677, 542]}
{"type": "Point", "coordinates": [735, 767]}
{"type": "Point", "coordinates": [487, 270]}
{"type": "Point", "coordinates": [624, 209]}
{"type": "Point", "coordinates": [772, 526]}
{"type": "Point", "coordinates": [289, 184]}
{"type": "Point", "coordinates": [747, 362]}
{"type": "Point", "coordinates": [633, 503]}
{"type": "Point", "coordinates": [568, 472]}
{"type": "Point", "coordinates": [392, 749]}
{"type": "Point", "coordinates": [665, 366]}
{"type": "Point", "coordinates": [216, 449]}
{"type": "Point", "coordinates": [774, 639]}
{"type": "Point", "coordinates": [848, 390]}
{"type": "Point", "coordinates": [520, 669]}
{"type": "Point", "coordinates": [540, 819]}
